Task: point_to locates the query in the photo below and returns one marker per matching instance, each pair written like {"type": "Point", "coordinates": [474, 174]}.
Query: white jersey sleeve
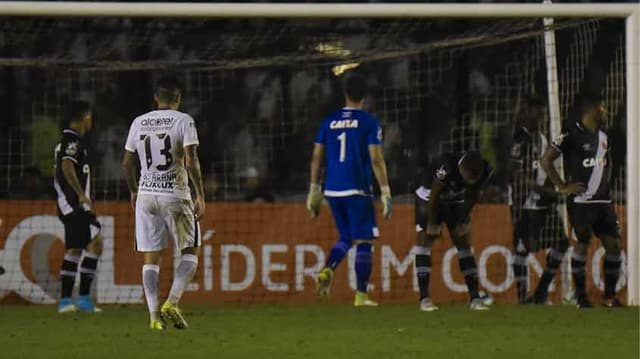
{"type": "Point", "coordinates": [130, 145]}
{"type": "Point", "coordinates": [189, 131]}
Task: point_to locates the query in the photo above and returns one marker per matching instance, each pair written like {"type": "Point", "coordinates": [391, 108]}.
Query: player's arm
{"type": "Point", "coordinates": [549, 156]}
{"type": "Point", "coordinates": [516, 163]}
{"type": "Point", "coordinates": [314, 198]}
{"type": "Point", "coordinates": [316, 162]}
{"type": "Point", "coordinates": [69, 173]}
{"type": "Point", "coordinates": [380, 171]}
{"type": "Point", "coordinates": [474, 193]}
{"type": "Point", "coordinates": [433, 228]}
{"type": "Point", "coordinates": [192, 163]}
{"type": "Point", "coordinates": [129, 169]}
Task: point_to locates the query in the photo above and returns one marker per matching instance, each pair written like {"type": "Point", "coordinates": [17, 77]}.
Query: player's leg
{"type": "Point", "coordinates": [521, 251]}
{"type": "Point", "coordinates": [608, 230]}
{"type": "Point", "coordinates": [339, 249]}
{"type": "Point", "coordinates": [558, 247]}
{"type": "Point", "coordinates": [150, 240]}
{"type": "Point", "coordinates": [74, 243]}
{"type": "Point", "coordinates": [88, 266]}
{"type": "Point", "coordinates": [581, 217]}
{"type": "Point", "coordinates": [68, 272]}
{"type": "Point", "coordinates": [185, 230]}
{"type": "Point", "coordinates": [424, 243]}
{"type": "Point", "coordinates": [459, 229]}
{"type": "Point", "coordinates": [362, 225]}
{"type": "Point", "coordinates": [150, 283]}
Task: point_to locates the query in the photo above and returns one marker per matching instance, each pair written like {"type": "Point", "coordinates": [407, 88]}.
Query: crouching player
{"type": "Point", "coordinates": [447, 195]}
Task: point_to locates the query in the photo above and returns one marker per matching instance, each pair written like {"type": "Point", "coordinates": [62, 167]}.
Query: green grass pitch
{"type": "Point", "coordinates": [323, 331]}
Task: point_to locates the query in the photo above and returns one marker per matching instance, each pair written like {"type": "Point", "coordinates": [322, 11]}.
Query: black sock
{"type": "Point", "coordinates": [578, 272]}
{"type": "Point", "coordinates": [423, 270]}
{"type": "Point", "coordinates": [553, 262]}
{"type": "Point", "coordinates": [469, 269]}
{"type": "Point", "coordinates": [87, 272]}
{"type": "Point", "coordinates": [68, 274]}
{"type": "Point", "coordinates": [521, 272]}
{"type": "Point", "coordinates": [611, 273]}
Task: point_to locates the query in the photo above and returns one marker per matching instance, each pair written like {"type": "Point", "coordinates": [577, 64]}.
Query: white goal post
{"type": "Point", "coordinates": [630, 12]}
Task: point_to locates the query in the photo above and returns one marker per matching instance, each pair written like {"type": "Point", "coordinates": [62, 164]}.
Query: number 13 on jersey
{"type": "Point", "coordinates": [151, 147]}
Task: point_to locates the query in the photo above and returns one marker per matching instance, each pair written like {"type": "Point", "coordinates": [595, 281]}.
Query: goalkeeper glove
{"type": "Point", "coordinates": [314, 199]}
{"type": "Point", "coordinates": [385, 198]}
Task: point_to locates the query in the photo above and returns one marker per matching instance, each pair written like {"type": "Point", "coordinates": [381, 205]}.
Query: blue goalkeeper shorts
{"type": "Point", "coordinates": [354, 217]}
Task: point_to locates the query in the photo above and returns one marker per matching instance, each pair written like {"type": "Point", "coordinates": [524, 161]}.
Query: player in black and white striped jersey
{"type": "Point", "coordinates": [536, 224]}
{"type": "Point", "coordinates": [585, 148]}
{"type": "Point", "coordinates": [72, 182]}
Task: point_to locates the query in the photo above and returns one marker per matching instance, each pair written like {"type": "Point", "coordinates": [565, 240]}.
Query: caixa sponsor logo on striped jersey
{"type": "Point", "coordinates": [594, 162]}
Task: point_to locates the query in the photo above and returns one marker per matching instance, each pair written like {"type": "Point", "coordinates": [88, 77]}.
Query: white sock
{"type": "Point", "coordinates": [150, 275]}
{"type": "Point", "coordinates": [184, 272]}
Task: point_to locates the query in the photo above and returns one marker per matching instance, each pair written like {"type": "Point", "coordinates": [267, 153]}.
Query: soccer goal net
{"type": "Point", "coordinates": [258, 88]}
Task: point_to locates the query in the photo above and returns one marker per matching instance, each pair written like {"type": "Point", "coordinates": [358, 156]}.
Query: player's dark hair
{"type": "Point", "coordinates": [355, 87]}
{"type": "Point", "coordinates": [76, 110]}
{"type": "Point", "coordinates": [589, 101]}
{"type": "Point", "coordinates": [474, 163]}
{"type": "Point", "coordinates": [167, 89]}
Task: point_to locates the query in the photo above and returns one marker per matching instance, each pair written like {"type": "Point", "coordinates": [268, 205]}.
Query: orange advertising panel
{"type": "Point", "coordinates": [266, 253]}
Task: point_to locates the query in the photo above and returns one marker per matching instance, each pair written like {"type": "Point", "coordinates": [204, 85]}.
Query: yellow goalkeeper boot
{"type": "Point", "coordinates": [157, 325]}
{"type": "Point", "coordinates": [171, 312]}
{"type": "Point", "coordinates": [362, 300]}
{"type": "Point", "coordinates": [323, 283]}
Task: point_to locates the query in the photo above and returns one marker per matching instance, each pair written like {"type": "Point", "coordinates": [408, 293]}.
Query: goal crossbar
{"type": "Point", "coordinates": [278, 10]}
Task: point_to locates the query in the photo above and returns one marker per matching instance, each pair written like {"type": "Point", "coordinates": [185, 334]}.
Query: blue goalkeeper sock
{"type": "Point", "coordinates": [337, 253]}
{"type": "Point", "coordinates": [363, 266]}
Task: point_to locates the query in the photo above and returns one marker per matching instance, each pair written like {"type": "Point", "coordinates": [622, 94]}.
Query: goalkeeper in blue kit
{"type": "Point", "coordinates": [349, 144]}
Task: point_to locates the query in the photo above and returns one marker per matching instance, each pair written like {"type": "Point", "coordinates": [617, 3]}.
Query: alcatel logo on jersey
{"type": "Point", "coordinates": [593, 162]}
{"type": "Point", "coordinates": [165, 121]}
{"type": "Point", "coordinates": [338, 124]}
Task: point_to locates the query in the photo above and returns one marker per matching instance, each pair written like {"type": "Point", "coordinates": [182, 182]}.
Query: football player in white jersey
{"type": "Point", "coordinates": [165, 142]}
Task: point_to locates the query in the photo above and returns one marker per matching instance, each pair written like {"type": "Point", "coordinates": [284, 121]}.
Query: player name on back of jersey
{"type": "Point", "coordinates": [158, 182]}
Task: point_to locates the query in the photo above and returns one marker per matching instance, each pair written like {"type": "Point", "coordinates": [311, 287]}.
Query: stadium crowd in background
{"type": "Point", "coordinates": [259, 118]}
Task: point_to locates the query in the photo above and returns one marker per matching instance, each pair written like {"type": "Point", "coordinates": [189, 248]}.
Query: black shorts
{"type": "Point", "coordinates": [538, 229]}
{"type": "Point", "coordinates": [77, 230]}
{"type": "Point", "coordinates": [593, 218]}
{"type": "Point", "coordinates": [450, 213]}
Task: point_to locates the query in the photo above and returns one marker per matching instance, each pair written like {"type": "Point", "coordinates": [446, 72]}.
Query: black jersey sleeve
{"type": "Point", "coordinates": [518, 145]}
{"type": "Point", "coordinates": [563, 141]}
{"type": "Point", "coordinates": [442, 169]}
{"type": "Point", "coordinates": [70, 149]}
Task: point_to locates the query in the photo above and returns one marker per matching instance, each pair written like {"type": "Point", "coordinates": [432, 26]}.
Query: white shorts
{"type": "Point", "coordinates": [158, 217]}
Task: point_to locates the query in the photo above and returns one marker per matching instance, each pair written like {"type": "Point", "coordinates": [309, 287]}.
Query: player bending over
{"type": "Point", "coordinates": [72, 182]}
{"type": "Point", "coordinates": [584, 146]}
{"type": "Point", "coordinates": [352, 141]}
{"type": "Point", "coordinates": [166, 143]}
{"type": "Point", "coordinates": [533, 200]}
{"type": "Point", "coordinates": [447, 195]}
